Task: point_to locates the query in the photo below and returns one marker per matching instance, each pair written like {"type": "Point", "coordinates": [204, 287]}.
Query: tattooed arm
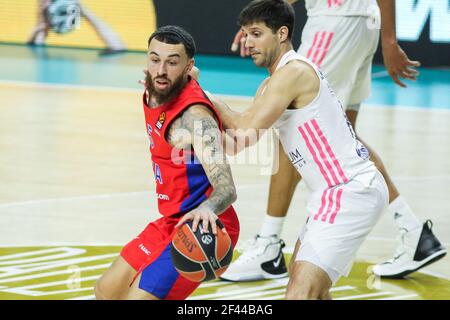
{"type": "Point", "coordinates": [198, 128]}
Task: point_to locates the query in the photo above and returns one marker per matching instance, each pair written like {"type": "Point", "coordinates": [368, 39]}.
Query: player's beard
{"type": "Point", "coordinates": [261, 61]}
{"type": "Point", "coordinates": [265, 58]}
{"type": "Point", "coordinates": [168, 94]}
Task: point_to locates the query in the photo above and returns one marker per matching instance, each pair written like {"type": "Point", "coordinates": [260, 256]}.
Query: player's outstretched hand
{"type": "Point", "coordinates": [239, 42]}
{"type": "Point", "coordinates": [203, 214]}
{"type": "Point", "coordinates": [143, 81]}
{"type": "Point", "coordinates": [398, 64]}
{"type": "Point", "coordinates": [195, 73]}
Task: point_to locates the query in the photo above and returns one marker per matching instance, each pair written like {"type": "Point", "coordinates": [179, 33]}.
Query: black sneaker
{"type": "Point", "coordinates": [418, 248]}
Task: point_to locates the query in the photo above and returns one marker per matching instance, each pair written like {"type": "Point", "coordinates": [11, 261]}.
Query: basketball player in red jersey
{"type": "Point", "coordinates": [193, 178]}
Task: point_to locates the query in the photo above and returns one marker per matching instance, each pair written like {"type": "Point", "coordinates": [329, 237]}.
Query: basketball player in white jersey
{"type": "Point", "coordinates": [341, 37]}
{"type": "Point", "coordinates": [348, 193]}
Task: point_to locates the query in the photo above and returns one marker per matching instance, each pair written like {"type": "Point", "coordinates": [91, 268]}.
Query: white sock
{"type": "Point", "coordinates": [271, 226]}
{"type": "Point", "coordinates": [403, 215]}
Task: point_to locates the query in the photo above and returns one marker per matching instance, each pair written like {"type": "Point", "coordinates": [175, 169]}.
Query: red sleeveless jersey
{"type": "Point", "coordinates": [181, 182]}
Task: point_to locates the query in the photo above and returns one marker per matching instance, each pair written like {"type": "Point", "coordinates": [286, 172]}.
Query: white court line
{"type": "Point", "coordinates": [131, 90]}
{"type": "Point", "coordinates": [69, 86]}
{"type": "Point", "coordinates": [290, 250]}
{"type": "Point", "coordinates": [31, 268]}
{"type": "Point", "coordinates": [385, 239]}
{"type": "Point", "coordinates": [69, 253]}
{"type": "Point", "coordinates": [99, 88]}
{"type": "Point", "coordinates": [434, 274]}
{"type": "Point", "coordinates": [406, 296]}
{"type": "Point", "coordinates": [281, 296]}
{"type": "Point", "coordinates": [78, 198]}
{"type": "Point", "coordinates": [215, 284]}
{"type": "Point", "coordinates": [54, 273]}
{"type": "Point", "coordinates": [232, 293]}
{"type": "Point", "coordinates": [243, 186]}
{"type": "Point", "coordinates": [51, 293]}
{"type": "Point", "coordinates": [65, 244]}
{"type": "Point", "coordinates": [101, 196]}
{"type": "Point", "coordinates": [276, 297]}
{"type": "Point", "coordinates": [54, 283]}
{"type": "Point", "coordinates": [255, 294]}
{"type": "Point", "coordinates": [89, 297]}
{"type": "Point", "coordinates": [368, 295]}
{"type": "Point", "coordinates": [373, 260]}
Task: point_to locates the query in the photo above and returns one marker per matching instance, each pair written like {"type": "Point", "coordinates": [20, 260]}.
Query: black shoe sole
{"type": "Point", "coordinates": [407, 272]}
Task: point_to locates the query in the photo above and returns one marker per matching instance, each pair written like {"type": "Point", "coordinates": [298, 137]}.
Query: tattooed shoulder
{"type": "Point", "coordinates": [177, 136]}
{"type": "Point", "coordinates": [197, 122]}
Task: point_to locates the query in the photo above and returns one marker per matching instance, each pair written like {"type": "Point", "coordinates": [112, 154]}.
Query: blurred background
{"type": "Point", "coordinates": [423, 26]}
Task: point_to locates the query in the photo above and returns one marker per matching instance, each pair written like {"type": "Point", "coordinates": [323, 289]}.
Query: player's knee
{"type": "Point", "coordinates": [301, 293]}
{"type": "Point", "coordinates": [303, 287]}
{"type": "Point", "coordinates": [100, 292]}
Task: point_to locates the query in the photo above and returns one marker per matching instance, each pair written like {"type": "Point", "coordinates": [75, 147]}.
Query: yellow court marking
{"type": "Point", "coordinates": [70, 272]}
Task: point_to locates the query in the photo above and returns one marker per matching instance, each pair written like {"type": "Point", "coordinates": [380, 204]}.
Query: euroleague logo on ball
{"type": "Point", "coordinates": [208, 254]}
{"type": "Point", "coordinates": [207, 239]}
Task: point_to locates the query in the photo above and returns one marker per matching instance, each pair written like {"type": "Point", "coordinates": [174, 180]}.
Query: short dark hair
{"type": "Point", "coordinates": [274, 13]}
{"type": "Point", "coordinates": [175, 35]}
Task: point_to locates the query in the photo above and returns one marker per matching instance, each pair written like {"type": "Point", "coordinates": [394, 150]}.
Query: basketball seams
{"type": "Point", "coordinates": [216, 243]}
{"type": "Point", "coordinates": [180, 252]}
{"type": "Point", "coordinates": [204, 253]}
{"type": "Point", "coordinates": [181, 272]}
{"type": "Point", "coordinates": [208, 249]}
{"type": "Point", "coordinates": [225, 255]}
{"type": "Point", "coordinates": [230, 246]}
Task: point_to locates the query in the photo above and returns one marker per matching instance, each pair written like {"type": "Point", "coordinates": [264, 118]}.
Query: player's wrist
{"type": "Point", "coordinates": [389, 47]}
{"type": "Point", "coordinates": [388, 40]}
{"type": "Point", "coordinates": [206, 205]}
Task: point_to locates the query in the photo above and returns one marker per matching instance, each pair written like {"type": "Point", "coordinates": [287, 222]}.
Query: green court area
{"type": "Point", "coordinates": [70, 272]}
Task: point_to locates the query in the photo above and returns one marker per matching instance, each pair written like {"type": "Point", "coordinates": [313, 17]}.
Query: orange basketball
{"type": "Point", "coordinates": [200, 256]}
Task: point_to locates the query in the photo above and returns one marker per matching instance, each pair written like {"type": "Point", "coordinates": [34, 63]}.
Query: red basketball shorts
{"type": "Point", "coordinates": [149, 253]}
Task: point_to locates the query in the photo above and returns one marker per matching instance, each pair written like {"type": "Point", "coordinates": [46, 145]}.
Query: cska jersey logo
{"type": "Point", "coordinates": [149, 132]}
{"type": "Point", "coordinates": [158, 176]}
{"type": "Point", "coordinates": [161, 120]}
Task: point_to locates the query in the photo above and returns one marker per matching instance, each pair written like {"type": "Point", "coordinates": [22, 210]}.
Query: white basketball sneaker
{"type": "Point", "coordinates": [418, 248]}
{"type": "Point", "coordinates": [262, 258]}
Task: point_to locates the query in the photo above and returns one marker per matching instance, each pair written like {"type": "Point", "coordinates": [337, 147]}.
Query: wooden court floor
{"type": "Point", "coordinates": [75, 172]}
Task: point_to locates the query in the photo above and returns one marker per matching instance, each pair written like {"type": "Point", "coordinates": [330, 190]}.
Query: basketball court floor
{"type": "Point", "coordinates": [77, 181]}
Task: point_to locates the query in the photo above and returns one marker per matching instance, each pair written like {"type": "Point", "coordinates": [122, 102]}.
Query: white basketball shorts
{"type": "Point", "coordinates": [339, 221]}
{"type": "Point", "coordinates": [343, 48]}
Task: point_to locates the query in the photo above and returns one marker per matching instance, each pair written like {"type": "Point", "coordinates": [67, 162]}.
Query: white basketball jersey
{"type": "Point", "coordinates": [341, 7]}
{"type": "Point", "coordinates": [319, 139]}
